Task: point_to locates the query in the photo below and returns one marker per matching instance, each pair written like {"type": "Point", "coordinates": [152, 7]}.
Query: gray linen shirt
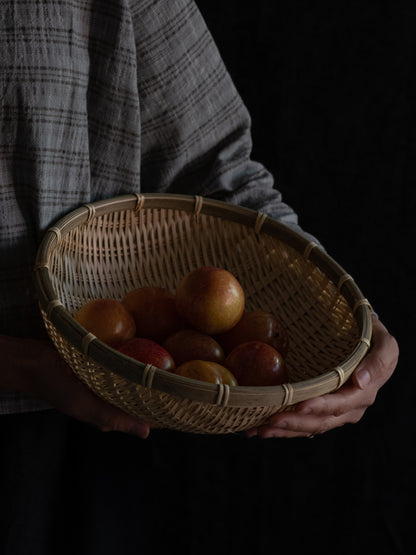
{"type": "Point", "coordinates": [105, 98]}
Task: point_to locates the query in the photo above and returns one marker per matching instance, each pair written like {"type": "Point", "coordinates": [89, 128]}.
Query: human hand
{"type": "Point", "coordinates": [345, 406]}
{"type": "Point", "coordinates": [36, 369]}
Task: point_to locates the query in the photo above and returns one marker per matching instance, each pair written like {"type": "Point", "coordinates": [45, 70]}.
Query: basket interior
{"type": "Point", "coordinates": [122, 250]}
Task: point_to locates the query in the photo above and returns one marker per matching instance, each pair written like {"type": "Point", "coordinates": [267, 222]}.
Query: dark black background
{"type": "Point", "coordinates": [331, 89]}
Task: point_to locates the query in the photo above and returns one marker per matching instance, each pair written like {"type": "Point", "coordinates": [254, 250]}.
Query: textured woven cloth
{"type": "Point", "coordinates": [106, 98]}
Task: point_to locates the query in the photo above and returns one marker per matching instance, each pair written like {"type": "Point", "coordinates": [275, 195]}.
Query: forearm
{"type": "Point", "coordinates": [21, 359]}
{"type": "Point", "coordinates": [12, 365]}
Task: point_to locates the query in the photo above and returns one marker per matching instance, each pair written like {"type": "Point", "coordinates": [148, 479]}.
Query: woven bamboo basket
{"type": "Point", "coordinates": [107, 248]}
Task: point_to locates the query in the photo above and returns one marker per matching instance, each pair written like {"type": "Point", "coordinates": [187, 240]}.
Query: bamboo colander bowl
{"type": "Point", "coordinates": [107, 248]}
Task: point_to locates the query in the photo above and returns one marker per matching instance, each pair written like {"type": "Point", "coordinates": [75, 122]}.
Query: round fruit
{"type": "Point", "coordinates": [191, 344]}
{"type": "Point", "coordinates": [256, 325]}
{"type": "Point", "coordinates": [210, 299]}
{"type": "Point", "coordinates": [154, 312]}
{"type": "Point", "coordinates": [206, 371]}
{"type": "Point", "coordinates": [108, 320]}
{"type": "Point", "coordinates": [255, 363]}
{"type": "Point", "coordinates": [149, 352]}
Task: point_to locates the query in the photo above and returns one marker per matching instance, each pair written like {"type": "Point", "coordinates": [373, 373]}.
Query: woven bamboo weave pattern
{"type": "Point", "coordinates": [130, 242]}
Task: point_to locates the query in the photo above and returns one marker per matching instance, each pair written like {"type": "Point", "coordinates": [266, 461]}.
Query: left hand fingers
{"type": "Point", "coordinates": [318, 415]}
{"type": "Point", "coordinates": [348, 404]}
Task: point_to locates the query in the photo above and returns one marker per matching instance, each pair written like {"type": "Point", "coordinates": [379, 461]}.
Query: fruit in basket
{"type": "Point", "coordinates": [255, 363]}
{"type": "Point", "coordinates": [256, 325]}
{"type": "Point", "coordinates": [210, 299]}
{"type": "Point", "coordinates": [149, 352]}
{"type": "Point", "coordinates": [154, 312]}
{"type": "Point", "coordinates": [189, 344]}
{"type": "Point", "coordinates": [206, 371]}
{"type": "Point", "coordinates": [108, 320]}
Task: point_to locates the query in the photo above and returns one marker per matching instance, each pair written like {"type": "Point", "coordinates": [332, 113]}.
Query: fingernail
{"type": "Point", "coordinates": [363, 378]}
{"type": "Point", "coordinates": [282, 424]}
{"type": "Point", "coordinates": [142, 431]}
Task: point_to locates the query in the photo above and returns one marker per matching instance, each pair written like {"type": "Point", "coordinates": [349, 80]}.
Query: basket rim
{"type": "Point", "coordinates": [167, 382]}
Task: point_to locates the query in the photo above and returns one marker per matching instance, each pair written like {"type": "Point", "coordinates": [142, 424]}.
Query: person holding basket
{"type": "Point", "coordinates": [107, 98]}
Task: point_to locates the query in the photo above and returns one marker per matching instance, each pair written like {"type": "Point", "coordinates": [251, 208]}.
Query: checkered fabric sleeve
{"type": "Point", "coordinates": [106, 98]}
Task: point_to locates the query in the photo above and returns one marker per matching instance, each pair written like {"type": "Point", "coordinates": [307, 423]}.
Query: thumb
{"type": "Point", "coordinates": [379, 364]}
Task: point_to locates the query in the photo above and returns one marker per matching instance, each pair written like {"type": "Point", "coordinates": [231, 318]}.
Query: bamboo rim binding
{"type": "Point", "coordinates": [253, 244]}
